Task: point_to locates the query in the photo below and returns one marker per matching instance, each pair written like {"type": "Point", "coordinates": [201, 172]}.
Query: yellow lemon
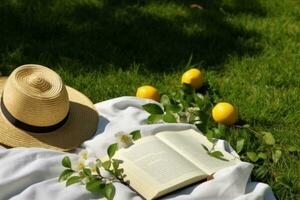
{"type": "Point", "coordinates": [193, 77]}
{"type": "Point", "coordinates": [225, 113]}
{"type": "Point", "coordinates": [148, 92]}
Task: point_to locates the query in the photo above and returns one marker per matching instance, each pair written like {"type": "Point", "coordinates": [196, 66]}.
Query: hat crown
{"type": "Point", "coordinates": [36, 95]}
{"type": "Point", "coordinates": [38, 82]}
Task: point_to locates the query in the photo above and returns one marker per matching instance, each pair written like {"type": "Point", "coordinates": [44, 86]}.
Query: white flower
{"type": "Point", "coordinates": [79, 165]}
{"type": "Point", "coordinates": [197, 118]}
{"type": "Point", "coordinates": [197, 122]}
{"type": "Point", "coordinates": [92, 165]}
{"type": "Point", "coordinates": [193, 109]}
{"type": "Point", "coordinates": [83, 154]}
{"type": "Point", "coordinates": [85, 160]}
{"type": "Point", "coordinates": [124, 140]}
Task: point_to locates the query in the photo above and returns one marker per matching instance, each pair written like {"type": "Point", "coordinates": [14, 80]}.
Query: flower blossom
{"type": "Point", "coordinates": [124, 140]}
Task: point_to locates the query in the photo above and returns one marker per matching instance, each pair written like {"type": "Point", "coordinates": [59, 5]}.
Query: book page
{"type": "Point", "coordinates": [189, 144]}
{"type": "Point", "coordinates": [150, 164]}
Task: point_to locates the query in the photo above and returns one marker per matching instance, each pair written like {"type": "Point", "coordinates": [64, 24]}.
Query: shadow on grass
{"type": "Point", "coordinates": [95, 34]}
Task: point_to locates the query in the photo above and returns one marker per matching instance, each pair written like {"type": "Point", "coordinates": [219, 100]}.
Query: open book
{"type": "Point", "coordinates": [159, 164]}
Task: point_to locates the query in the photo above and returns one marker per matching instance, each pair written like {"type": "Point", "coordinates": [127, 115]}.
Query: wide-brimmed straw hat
{"type": "Point", "coordinates": [38, 110]}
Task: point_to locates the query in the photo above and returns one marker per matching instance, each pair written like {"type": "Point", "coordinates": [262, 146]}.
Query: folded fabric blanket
{"type": "Point", "coordinates": [32, 173]}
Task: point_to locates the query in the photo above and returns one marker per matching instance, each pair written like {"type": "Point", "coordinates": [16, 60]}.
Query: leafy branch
{"type": "Point", "coordinates": [91, 173]}
{"type": "Point", "coordinates": [212, 152]}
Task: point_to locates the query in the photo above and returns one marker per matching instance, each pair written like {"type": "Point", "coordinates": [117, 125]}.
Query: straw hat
{"type": "Point", "coordinates": [38, 110]}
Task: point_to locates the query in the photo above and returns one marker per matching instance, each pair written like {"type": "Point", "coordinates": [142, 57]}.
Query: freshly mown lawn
{"type": "Point", "coordinates": [248, 49]}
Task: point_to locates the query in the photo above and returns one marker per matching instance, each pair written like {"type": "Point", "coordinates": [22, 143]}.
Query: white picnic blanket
{"type": "Point", "coordinates": [32, 173]}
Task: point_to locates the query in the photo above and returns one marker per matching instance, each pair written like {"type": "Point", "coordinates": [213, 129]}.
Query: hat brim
{"type": "Point", "coordinates": [80, 126]}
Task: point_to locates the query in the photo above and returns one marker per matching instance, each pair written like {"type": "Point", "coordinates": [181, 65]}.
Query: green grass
{"type": "Point", "coordinates": [249, 51]}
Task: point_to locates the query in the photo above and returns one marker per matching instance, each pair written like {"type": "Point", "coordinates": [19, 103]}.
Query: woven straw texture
{"type": "Point", "coordinates": [37, 96]}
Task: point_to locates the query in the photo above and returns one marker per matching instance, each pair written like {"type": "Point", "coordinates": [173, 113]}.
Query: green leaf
{"type": "Point", "coordinates": [65, 174]}
{"type": "Point", "coordinates": [72, 180]}
{"type": "Point", "coordinates": [154, 118]}
{"type": "Point", "coordinates": [199, 99]}
{"type": "Point", "coordinates": [187, 99]}
{"type": "Point", "coordinates": [87, 172]}
{"type": "Point", "coordinates": [66, 162]}
{"type": "Point", "coordinates": [153, 108]}
{"type": "Point", "coordinates": [112, 150]}
{"type": "Point", "coordinates": [136, 135]}
{"type": "Point", "coordinates": [293, 149]}
{"type": "Point", "coordinates": [276, 155]}
{"type": "Point", "coordinates": [216, 154]}
{"type": "Point", "coordinates": [106, 165]}
{"type": "Point", "coordinates": [262, 155]}
{"type": "Point", "coordinates": [240, 145]}
{"type": "Point", "coordinates": [210, 135]}
{"type": "Point", "coordinates": [165, 100]}
{"type": "Point", "coordinates": [120, 171]}
{"type": "Point", "coordinates": [204, 119]}
{"type": "Point", "coordinates": [98, 163]}
{"type": "Point", "coordinates": [173, 108]}
{"type": "Point", "coordinates": [203, 102]}
{"type": "Point", "coordinates": [252, 156]}
{"type": "Point", "coordinates": [169, 118]}
{"type": "Point", "coordinates": [110, 191]}
{"type": "Point", "coordinates": [94, 185]}
{"type": "Point", "coordinates": [268, 138]}
{"type": "Point", "coordinates": [244, 134]}
{"type": "Point", "coordinates": [116, 163]}
{"type": "Point", "coordinates": [206, 149]}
